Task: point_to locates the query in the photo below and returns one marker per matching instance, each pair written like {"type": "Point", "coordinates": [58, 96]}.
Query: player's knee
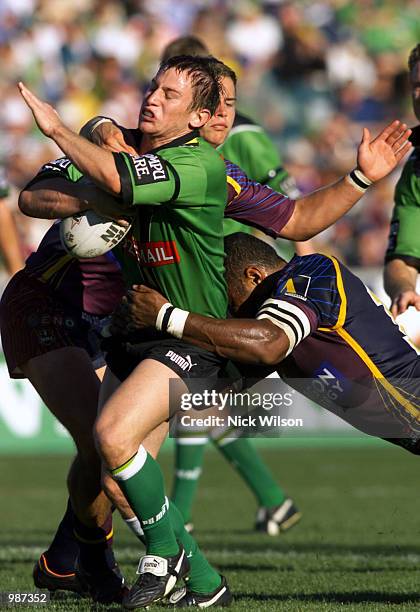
{"type": "Point", "coordinates": [113, 443]}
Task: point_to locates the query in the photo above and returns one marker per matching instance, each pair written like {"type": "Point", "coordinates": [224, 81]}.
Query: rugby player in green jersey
{"type": "Point", "coordinates": [188, 178]}
{"type": "Point", "coordinates": [402, 260]}
{"type": "Point", "coordinates": [158, 180]}
{"type": "Point", "coordinates": [246, 144]}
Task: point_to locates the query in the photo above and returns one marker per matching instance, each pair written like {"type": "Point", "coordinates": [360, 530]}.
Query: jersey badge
{"type": "Point", "coordinates": [297, 287]}
{"type": "Point", "coordinates": [149, 168]}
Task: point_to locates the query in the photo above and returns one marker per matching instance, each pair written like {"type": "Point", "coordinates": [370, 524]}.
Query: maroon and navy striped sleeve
{"type": "Point", "coordinates": [254, 204]}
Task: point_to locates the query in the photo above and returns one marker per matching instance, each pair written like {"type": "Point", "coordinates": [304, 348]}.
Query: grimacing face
{"type": "Point", "coordinates": [164, 113]}
{"type": "Point", "coordinates": [415, 89]}
{"type": "Point", "coordinates": [216, 130]}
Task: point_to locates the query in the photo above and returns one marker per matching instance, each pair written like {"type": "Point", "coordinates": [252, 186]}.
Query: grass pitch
{"type": "Point", "coordinates": [356, 548]}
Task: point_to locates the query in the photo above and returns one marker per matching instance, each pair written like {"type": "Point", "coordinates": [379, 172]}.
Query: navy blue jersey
{"type": "Point", "coordinates": [343, 342]}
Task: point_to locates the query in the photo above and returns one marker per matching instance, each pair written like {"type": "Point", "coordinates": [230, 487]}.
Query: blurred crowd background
{"type": "Point", "coordinates": [312, 72]}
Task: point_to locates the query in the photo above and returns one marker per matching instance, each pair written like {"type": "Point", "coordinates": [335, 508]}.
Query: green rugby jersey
{"type": "Point", "coordinates": [404, 242]}
{"type": "Point", "coordinates": [176, 242]}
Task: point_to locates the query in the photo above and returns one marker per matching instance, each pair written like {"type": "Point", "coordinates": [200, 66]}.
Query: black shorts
{"type": "Point", "coordinates": [34, 321]}
{"type": "Point", "coordinates": [188, 361]}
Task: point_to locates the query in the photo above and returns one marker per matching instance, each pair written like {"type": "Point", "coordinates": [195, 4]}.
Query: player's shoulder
{"type": "Point", "coordinates": [316, 279]}
{"type": "Point", "coordinates": [244, 124]}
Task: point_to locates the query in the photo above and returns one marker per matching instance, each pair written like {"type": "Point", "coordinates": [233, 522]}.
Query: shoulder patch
{"type": "Point", "coordinates": [297, 287]}
{"type": "Point", "coordinates": [148, 168]}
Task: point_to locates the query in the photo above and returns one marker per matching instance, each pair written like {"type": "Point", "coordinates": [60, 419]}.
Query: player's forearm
{"type": "Point", "coordinates": [320, 209]}
{"type": "Point", "coordinates": [93, 161]}
{"type": "Point", "coordinates": [399, 277]}
{"type": "Point", "coordinates": [243, 340]}
{"type": "Point", "coordinates": [9, 241]}
{"type": "Point", "coordinates": [49, 204]}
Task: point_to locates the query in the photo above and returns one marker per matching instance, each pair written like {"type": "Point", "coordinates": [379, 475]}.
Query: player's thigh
{"type": "Point", "coordinates": [138, 406]}
{"type": "Point", "coordinates": [69, 386]}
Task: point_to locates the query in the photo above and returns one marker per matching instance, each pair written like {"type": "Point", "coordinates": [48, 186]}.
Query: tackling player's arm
{"type": "Point", "coordinates": [255, 341]}
{"type": "Point", "coordinates": [59, 191]}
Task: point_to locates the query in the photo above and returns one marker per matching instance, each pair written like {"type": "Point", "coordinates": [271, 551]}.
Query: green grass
{"type": "Point", "coordinates": [356, 548]}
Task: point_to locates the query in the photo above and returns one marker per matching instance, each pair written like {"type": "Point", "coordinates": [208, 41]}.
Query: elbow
{"type": "Point", "coordinates": [112, 184]}
{"type": "Point", "coordinates": [272, 348]}
{"type": "Point", "coordinates": [297, 229]}
{"type": "Point", "coordinates": [24, 202]}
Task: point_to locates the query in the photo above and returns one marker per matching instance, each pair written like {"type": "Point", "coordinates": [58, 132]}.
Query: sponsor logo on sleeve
{"type": "Point", "coordinates": [297, 287]}
{"type": "Point", "coordinates": [148, 169]}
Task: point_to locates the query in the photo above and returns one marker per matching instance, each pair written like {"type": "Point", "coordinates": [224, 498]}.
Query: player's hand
{"type": "Point", "coordinates": [378, 157]}
{"type": "Point", "coordinates": [138, 309]}
{"type": "Point", "coordinates": [110, 137]}
{"type": "Point", "coordinates": [402, 301]}
{"type": "Point", "coordinates": [105, 204]}
{"type": "Point", "coordinates": [46, 117]}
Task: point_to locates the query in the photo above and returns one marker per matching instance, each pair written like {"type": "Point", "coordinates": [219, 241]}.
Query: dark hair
{"type": "Point", "coordinates": [184, 45]}
{"type": "Point", "coordinates": [243, 250]}
{"type": "Point", "coordinates": [205, 74]}
{"type": "Point", "coordinates": [414, 57]}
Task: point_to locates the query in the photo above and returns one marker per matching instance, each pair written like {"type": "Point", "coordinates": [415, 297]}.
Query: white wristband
{"type": "Point", "coordinates": [362, 177]}
{"type": "Point", "coordinates": [161, 314]}
{"type": "Point", "coordinates": [176, 322]}
{"type": "Point", "coordinates": [358, 180]}
{"type": "Point", "coordinates": [98, 123]}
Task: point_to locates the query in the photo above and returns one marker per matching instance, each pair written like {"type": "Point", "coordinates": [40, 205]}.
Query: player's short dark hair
{"type": "Point", "coordinates": [184, 45]}
{"type": "Point", "coordinates": [414, 57]}
{"type": "Point", "coordinates": [205, 74]}
{"type": "Point", "coordinates": [243, 250]}
{"type": "Point", "coordinates": [190, 45]}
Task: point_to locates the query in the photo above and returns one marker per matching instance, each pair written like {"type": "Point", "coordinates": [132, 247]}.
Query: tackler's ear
{"type": "Point", "coordinates": [255, 275]}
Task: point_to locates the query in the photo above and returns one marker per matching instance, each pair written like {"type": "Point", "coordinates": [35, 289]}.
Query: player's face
{"type": "Point", "coordinates": [165, 114]}
{"type": "Point", "coordinates": [237, 295]}
{"type": "Point", "coordinates": [216, 130]}
{"type": "Point", "coordinates": [240, 289]}
{"type": "Point", "coordinates": [415, 89]}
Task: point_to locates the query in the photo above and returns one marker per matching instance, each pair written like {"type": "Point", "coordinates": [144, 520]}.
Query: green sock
{"type": "Point", "coordinates": [202, 578]}
{"type": "Point", "coordinates": [242, 455]}
{"type": "Point", "coordinates": [141, 481]}
{"type": "Point", "coordinates": [188, 462]}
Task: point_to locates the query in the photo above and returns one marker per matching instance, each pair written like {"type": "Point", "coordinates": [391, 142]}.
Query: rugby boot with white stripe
{"type": "Point", "coordinates": [185, 598]}
{"type": "Point", "coordinates": [157, 578]}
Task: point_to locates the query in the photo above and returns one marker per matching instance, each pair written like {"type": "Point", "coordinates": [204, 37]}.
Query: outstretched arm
{"type": "Point", "coordinates": [375, 159]}
{"type": "Point", "coordinates": [91, 160]}
{"type": "Point", "coordinates": [246, 340]}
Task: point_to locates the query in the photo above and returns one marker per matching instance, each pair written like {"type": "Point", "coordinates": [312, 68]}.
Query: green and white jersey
{"type": "Point", "coordinates": [176, 243]}
{"type": "Point", "coordinates": [404, 241]}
